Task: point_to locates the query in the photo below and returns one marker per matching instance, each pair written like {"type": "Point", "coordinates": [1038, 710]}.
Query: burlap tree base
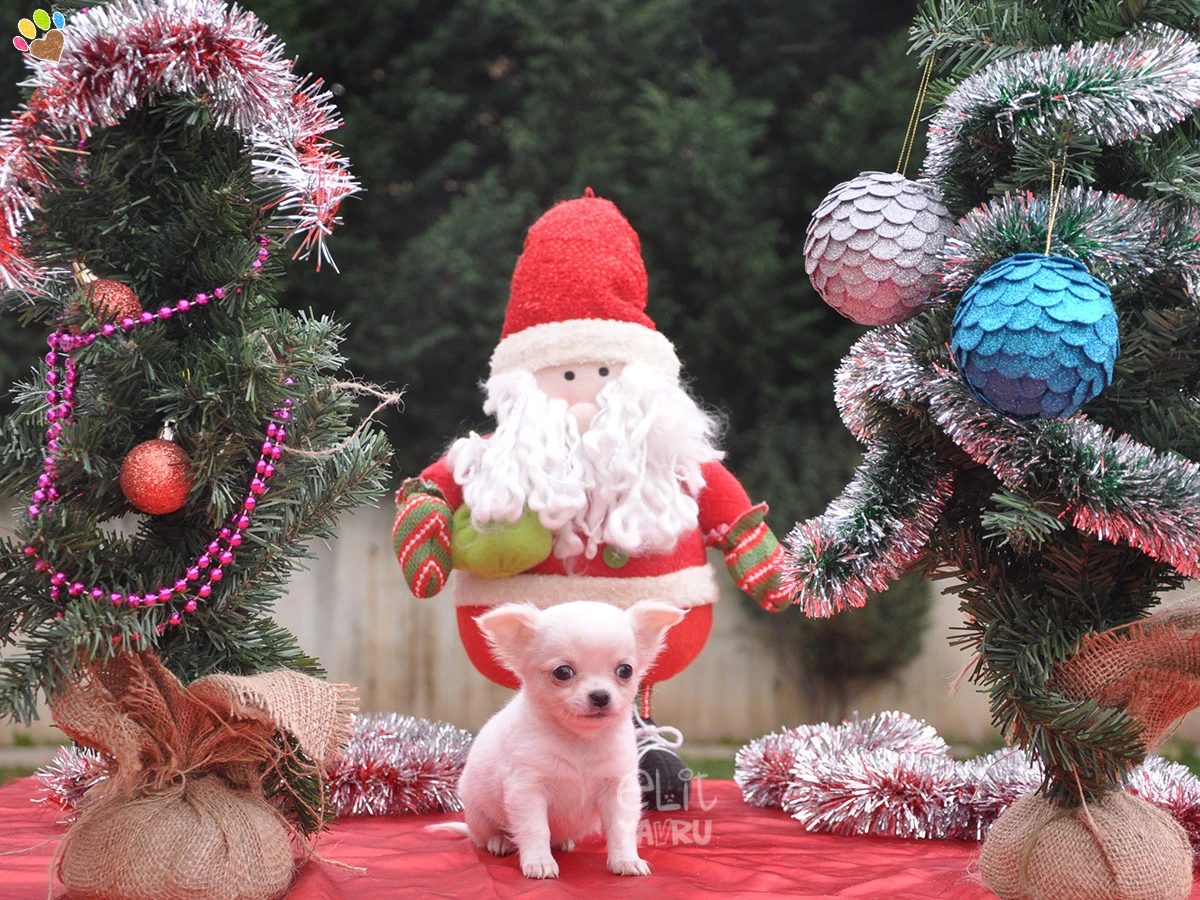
{"type": "Point", "coordinates": [1127, 850]}
{"type": "Point", "coordinates": [182, 815]}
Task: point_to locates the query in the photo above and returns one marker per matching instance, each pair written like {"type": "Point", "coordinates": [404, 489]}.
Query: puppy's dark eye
{"type": "Point", "coordinates": [570, 376]}
{"type": "Point", "coordinates": [604, 371]}
{"type": "Point", "coordinates": [624, 671]}
{"type": "Point", "coordinates": [563, 673]}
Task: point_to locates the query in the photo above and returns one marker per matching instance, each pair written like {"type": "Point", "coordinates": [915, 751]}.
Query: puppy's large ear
{"type": "Point", "coordinates": [651, 619]}
{"type": "Point", "coordinates": [509, 629]}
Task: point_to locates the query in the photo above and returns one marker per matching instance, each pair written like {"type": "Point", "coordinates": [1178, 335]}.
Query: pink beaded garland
{"type": "Point", "coordinates": [60, 399]}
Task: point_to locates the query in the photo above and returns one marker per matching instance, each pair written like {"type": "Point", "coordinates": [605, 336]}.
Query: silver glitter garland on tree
{"type": "Point", "coordinates": [1114, 91]}
{"type": "Point", "coordinates": [1113, 487]}
{"type": "Point", "coordinates": [120, 54]}
{"type": "Point", "coordinates": [1119, 239]}
{"type": "Point", "coordinates": [871, 534]}
{"type": "Point", "coordinates": [392, 765]}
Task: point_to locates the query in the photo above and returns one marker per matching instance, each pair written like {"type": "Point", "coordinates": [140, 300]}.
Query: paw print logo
{"type": "Point", "coordinates": [50, 45]}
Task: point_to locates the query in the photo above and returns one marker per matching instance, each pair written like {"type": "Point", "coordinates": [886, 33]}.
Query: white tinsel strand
{"type": "Point", "coordinates": [894, 730]}
{"type": "Point", "coordinates": [1172, 787]}
{"type": "Point", "coordinates": [891, 775]}
{"type": "Point", "coordinates": [304, 180]}
{"type": "Point", "coordinates": [763, 767]}
{"type": "Point", "coordinates": [875, 792]}
{"type": "Point", "coordinates": [988, 786]}
{"type": "Point", "coordinates": [1118, 239]}
{"type": "Point", "coordinates": [392, 765]}
{"type": "Point", "coordinates": [128, 52]}
{"type": "Point", "coordinates": [193, 47]}
{"type": "Point", "coordinates": [398, 765]}
{"type": "Point", "coordinates": [870, 535]}
{"type": "Point", "coordinates": [1113, 91]}
{"type": "Point", "coordinates": [1114, 487]}
{"type": "Point", "coordinates": [68, 777]}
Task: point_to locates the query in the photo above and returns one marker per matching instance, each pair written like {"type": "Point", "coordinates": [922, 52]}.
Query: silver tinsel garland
{"type": "Point", "coordinates": [763, 768]}
{"type": "Point", "coordinates": [1120, 240]}
{"type": "Point", "coordinates": [1112, 91]}
{"type": "Point", "coordinates": [869, 535]}
{"type": "Point", "coordinates": [126, 53]}
{"type": "Point", "coordinates": [891, 775]}
{"type": "Point", "coordinates": [397, 765]}
{"type": "Point", "coordinates": [392, 765]}
{"type": "Point", "coordinates": [1112, 486]}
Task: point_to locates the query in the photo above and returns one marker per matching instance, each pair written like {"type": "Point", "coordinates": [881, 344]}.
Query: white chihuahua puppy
{"type": "Point", "coordinates": [559, 763]}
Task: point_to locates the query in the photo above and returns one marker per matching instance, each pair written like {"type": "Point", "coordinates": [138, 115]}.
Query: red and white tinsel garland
{"type": "Point", "coordinates": [890, 775]}
{"type": "Point", "coordinates": [393, 765]}
{"type": "Point", "coordinates": [127, 52]}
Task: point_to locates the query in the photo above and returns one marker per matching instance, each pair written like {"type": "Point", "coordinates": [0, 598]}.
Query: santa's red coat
{"type": "Point", "coordinates": [681, 577]}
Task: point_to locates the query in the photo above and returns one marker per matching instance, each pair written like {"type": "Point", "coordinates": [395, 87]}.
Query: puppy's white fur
{"type": "Point", "coordinates": [555, 765]}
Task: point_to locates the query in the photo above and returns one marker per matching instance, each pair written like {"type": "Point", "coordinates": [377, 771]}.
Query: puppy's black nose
{"type": "Point", "coordinates": [599, 699]}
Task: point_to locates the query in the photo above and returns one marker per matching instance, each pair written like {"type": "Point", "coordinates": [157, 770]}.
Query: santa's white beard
{"type": "Point", "coordinates": [630, 481]}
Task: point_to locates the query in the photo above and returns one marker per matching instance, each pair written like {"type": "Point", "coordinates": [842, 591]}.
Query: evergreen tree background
{"type": "Point", "coordinates": [715, 125]}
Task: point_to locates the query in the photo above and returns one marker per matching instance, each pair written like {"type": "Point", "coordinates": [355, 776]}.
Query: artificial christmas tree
{"type": "Point", "coordinates": [1067, 133]}
{"type": "Point", "coordinates": [172, 150]}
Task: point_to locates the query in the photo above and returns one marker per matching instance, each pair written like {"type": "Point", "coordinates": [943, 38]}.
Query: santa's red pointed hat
{"type": "Point", "coordinates": [579, 294]}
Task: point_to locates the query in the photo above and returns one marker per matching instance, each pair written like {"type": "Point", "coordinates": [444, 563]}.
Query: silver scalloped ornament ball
{"type": "Point", "coordinates": [872, 247]}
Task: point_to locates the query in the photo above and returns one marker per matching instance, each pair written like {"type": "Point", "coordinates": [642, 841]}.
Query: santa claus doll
{"type": "Point", "coordinates": [602, 479]}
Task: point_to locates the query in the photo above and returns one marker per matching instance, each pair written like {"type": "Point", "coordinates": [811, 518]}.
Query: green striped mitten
{"type": "Point", "coordinates": [755, 559]}
{"type": "Point", "coordinates": [421, 536]}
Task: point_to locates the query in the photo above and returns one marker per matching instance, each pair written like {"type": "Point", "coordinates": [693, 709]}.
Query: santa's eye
{"type": "Point", "coordinates": [604, 371]}
{"type": "Point", "coordinates": [624, 671]}
{"type": "Point", "coordinates": [570, 376]}
{"type": "Point", "coordinates": [563, 673]}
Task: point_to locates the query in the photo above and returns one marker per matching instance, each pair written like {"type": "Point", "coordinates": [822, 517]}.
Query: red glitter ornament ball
{"type": "Point", "coordinates": [155, 476]}
{"type": "Point", "coordinates": [112, 301]}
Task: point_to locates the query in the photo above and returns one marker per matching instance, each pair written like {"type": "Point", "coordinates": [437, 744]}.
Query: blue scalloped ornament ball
{"type": "Point", "coordinates": [1036, 336]}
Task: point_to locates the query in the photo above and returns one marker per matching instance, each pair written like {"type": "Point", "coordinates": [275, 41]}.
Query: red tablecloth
{"type": "Point", "coordinates": [719, 846]}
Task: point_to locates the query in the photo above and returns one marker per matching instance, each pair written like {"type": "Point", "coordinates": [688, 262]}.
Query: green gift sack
{"type": "Point", "coordinates": [500, 548]}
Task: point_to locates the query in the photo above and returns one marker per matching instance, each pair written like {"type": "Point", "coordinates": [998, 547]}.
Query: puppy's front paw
{"type": "Point", "coordinates": [540, 867]}
{"type": "Point", "coordinates": [500, 845]}
{"type": "Point", "coordinates": [632, 865]}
